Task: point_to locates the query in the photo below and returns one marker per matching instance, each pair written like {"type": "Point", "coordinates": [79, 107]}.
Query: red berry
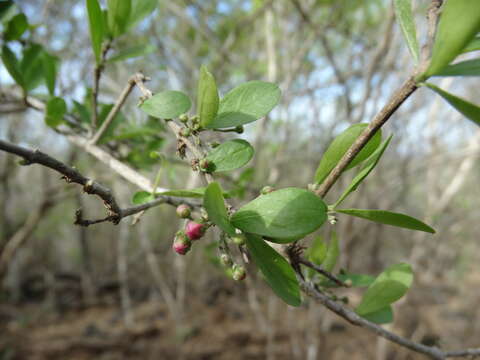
{"type": "Point", "coordinates": [194, 230]}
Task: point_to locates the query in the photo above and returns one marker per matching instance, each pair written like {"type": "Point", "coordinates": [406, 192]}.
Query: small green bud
{"type": "Point", "coordinates": [266, 190]}
{"type": "Point", "coordinates": [204, 165]}
{"type": "Point", "coordinates": [194, 119]}
{"type": "Point", "coordinates": [239, 239]}
{"type": "Point", "coordinates": [185, 132]}
{"type": "Point", "coordinates": [348, 282]}
{"type": "Point", "coordinates": [239, 129]}
{"type": "Point", "coordinates": [226, 260]}
{"type": "Point", "coordinates": [196, 126]}
{"type": "Point", "coordinates": [183, 118]}
{"type": "Point", "coordinates": [239, 273]}
{"type": "Point", "coordinates": [183, 211]}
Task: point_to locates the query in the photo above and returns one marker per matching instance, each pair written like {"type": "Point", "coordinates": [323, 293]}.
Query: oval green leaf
{"type": "Point", "coordinates": [141, 197]}
{"type": "Point", "coordinates": [167, 104]}
{"type": "Point", "coordinates": [339, 147]}
{"type": "Point", "coordinates": [55, 110]}
{"type": "Point", "coordinates": [464, 68]}
{"type": "Point", "coordinates": [382, 316]}
{"type": "Point", "coordinates": [16, 27]}
{"type": "Point", "coordinates": [332, 253]}
{"type": "Point", "coordinates": [230, 155]}
{"type": "Point", "coordinates": [95, 21]}
{"type": "Point", "coordinates": [282, 214]}
{"type": "Point", "coordinates": [388, 287]}
{"type": "Point", "coordinates": [49, 63]}
{"type": "Point", "coordinates": [215, 205]}
{"type": "Point", "coordinates": [118, 16]}
{"type": "Point", "coordinates": [132, 52]}
{"type": "Point", "coordinates": [404, 14]}
{"type": "Point", "coordinates": [277, 271]}
{"type": "Point", "coordinates": [140, 10]}
{"type": "Point", "coordinates": [453, 34]}
{"type": "Point", "coordinates": [389, 218]}
{"type": "Point", "coordinates": [12, 65]}
{"type": "Point", "coordinates": [207, 97]}
{"type": "Point", "coordinates": [466, 108]}
{"type": "Point", "coordinates": [246, 103]}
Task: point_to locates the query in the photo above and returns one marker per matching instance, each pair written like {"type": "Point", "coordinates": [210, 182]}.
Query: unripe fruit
{"type": "Point", "coordinates": [266, 190]}
{"type": "Point", "coordinates": [182, 243]}
{"type": "Point", "coordinates": [239, 239]}
{"type": "Point", "coordinates": [194, 230]}
{"type": "Point", "coordinates": [226, 260]}
{"type": "Point", "coordinates": [183, 118]}
{"type": "Point", "coordinates": [183, 211]}
{"type": "Point", "coordinates": [239, 273]}
{"type": "Point", "coordinates": [194, 119]}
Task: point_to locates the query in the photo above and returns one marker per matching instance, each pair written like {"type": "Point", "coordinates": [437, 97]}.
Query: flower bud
{"type": "Point", "coordinates": [185, 132]}
{"type": "Point", "coordinates": [183, 211]}
{"type": "Point", "coordinates": [183, 118]}
{"type": "Point", "coordinates": [239, 273]}
{"type": "Point", "coordinates": [195, 119]}
{"type": "Point", "coordinates": [239, 239]}
{"type": "Point", "coordinates": [204, 165]}
{"type": "Point", "coordinates": [226, 260]}
{"type": "Point", "coordinates": [266, 190]}
{"type": "Point", "coordinates": [194, 230]}
{"type": "Point", "coordinates": [182, 243]}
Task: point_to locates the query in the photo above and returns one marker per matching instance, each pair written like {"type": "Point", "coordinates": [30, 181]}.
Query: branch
{"type": "Point", "coordinates": [116, 108]}
{"type": "Point", "coordinates": [69, 174]}
{"type": "Point", "coordinates": [97, 73]}
{"type": "Point", "coordinates": [378, 121]}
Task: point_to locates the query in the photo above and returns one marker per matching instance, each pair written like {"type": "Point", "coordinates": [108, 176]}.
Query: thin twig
{"type": "Point", "coordinates": [322, 271]}
{"type": "Point", "coordinates": [69, 174]}
{"type": "Point", "coordinates": [97, 74]}
{"type": "Point", "coordinates": [114, 111]}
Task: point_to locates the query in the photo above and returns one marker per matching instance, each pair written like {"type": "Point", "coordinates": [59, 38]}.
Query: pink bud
{"type": "Point", "coordinates": [182, 243]}
{"type": "Point", "coordinates": [194, 230]}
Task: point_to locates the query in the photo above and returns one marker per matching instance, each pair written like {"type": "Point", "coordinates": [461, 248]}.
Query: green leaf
{"type": "Point", "coordinates": [132, 52]}
{"type": "Point", "coordinates": [97, 27]}
{"type": "Point", "coordinates": [283, 214]}
{"type": "Point", "coordinates": [82, 111]}
{"type": "Point", "coordinates": [190, 193]}
{"type": "Point", "coordinates": [404, 14]}
{"type": "Point", "coordinates": [12, 65]}
{"type": "Point", "coordinates": [246, 103]}
{"type": "Point", "coordinates": [215, 205]}
{"type": "Point", "coordinates": [49, 63]}
{"type": "Point", "coordinates": [317, 251]}
{"type": "Point", "coordinates": [16, 27]}
{"type": "Point", "coordinates": [458, 25]}
{"type": "Point", "coordinates": [118, 16]}
{"type": "Point", "coordinates": [382, 316]}
{"type": "Point", "coordinates": [31, 66]}
{"type": "Point", "coordinates": [230, 155]}
{"type": "Point", "coordinates": [5, 8]}
{"type": "Point", "coordinates": [167, 104]}
{"type": "Point", "coordinates": [140, 10]}
{"type": "Point", "coordinates": [464, 68]}
{"type": "Point", "coordinates": [141, 197]}
{"type": "Point", "coordinates": [388, 287]}
{"type": "Point", "coordinates": [389, 218]}
{"type": "Point", "coordinates": [277, 271]}
{"type": "Point", "coordinates": [473, 45]}
{"type": "Point", "coordinates": [467, 109]}
{"type": "Point", "coordinates": [55, 110]}
{"type": "Point", "coordinates": [207, 97]}
{"type": "Point", "coordinates": [332, 253]}
{"type": "Point", "coordinates": [358, 280]}
{"type": "Point", "coordinates": [370, 164]}
{"type": "Point", "coordinates": [339, 147]}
